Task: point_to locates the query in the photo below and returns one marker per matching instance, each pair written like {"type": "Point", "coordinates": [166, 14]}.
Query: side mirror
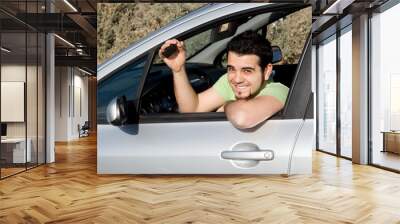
{"type": "Point", "coordinates": [117, 111]}
{"type": "Point", "coordinates": [276, 54]}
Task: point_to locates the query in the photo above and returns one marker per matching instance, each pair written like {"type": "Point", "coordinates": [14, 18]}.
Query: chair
{"type": "Point", "coordinates": [84, 130]}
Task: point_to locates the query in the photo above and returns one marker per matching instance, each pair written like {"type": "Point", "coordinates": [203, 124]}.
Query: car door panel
{"type": "Point", "coordinates": [194, 148]}
{"type": "Point", "coordinates": [183, 145]}
{"type": "Point", "coordinates": [301, 155]}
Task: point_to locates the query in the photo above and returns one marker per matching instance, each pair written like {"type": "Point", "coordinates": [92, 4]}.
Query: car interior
{"type": "Point", "coordinates": [206, 65]}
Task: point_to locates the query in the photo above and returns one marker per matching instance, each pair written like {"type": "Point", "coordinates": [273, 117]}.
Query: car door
{"type": "Point", "coordinates": [199, 143]}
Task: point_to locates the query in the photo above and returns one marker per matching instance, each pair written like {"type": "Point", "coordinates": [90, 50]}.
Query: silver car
{"type": "Point", "coordinates": [141, 132]}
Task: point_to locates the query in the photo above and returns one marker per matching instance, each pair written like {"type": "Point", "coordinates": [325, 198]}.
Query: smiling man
{"type": "Point", "coordinates": [244, 92]}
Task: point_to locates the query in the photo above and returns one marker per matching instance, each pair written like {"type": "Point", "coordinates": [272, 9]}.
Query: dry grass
{"type": "Point", "coordinates": [121, 24]}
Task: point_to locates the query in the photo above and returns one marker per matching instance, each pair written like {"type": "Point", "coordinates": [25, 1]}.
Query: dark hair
{"type": "Point", "coordinates": [250, 42]}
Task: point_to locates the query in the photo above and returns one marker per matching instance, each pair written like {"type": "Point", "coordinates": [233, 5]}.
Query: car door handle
{"type": "Point", "coordinates": [262, 155]}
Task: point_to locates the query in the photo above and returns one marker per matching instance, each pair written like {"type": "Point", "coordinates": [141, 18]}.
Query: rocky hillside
{"type": "Point", "coordinates": [120, 24]}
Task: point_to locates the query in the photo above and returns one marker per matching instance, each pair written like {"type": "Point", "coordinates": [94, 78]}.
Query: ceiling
{"type": "Point", "coordinates": [74, 22]}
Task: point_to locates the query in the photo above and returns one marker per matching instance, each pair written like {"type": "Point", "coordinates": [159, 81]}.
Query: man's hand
{"type": "Point", "coordinates": [188, 100]}
{"type": "Point", "coordinates": [175, 62]}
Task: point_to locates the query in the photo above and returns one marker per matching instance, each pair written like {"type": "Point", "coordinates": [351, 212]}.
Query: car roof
{"type": "Point", "coordinates": [195, 18]}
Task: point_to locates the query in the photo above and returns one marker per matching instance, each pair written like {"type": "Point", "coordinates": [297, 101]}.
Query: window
{"type": "Point", "coordinates": [192, 45]}
{"type": "Point", "coordinates": [158, 93]}
{"type": "Point", "coordinates": [123, 83]}
{"type": "Point", "coordinates": [385, 89]}
{"type": "Point", "coordinates": [22, 75]}
{"type": "Point", "coordinates": [327, 95]}
{"type": "Point", "coordinates": [197, 42]}
{"type": "Point", "coordinates": [290, 34]}
{"type": "Point", "coordinates": [346, 74]}
{"type": "Point", "coordinates": [394, 102]}
{"type": "Point", "coordinates": [206, 54]}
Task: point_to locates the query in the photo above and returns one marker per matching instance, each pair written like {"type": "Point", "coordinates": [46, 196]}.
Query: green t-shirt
{"type": "Point", "coordinates": [275, 89]}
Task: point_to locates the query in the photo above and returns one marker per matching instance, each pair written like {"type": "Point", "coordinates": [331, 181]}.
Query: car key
{"type": "Point", "coordinates": [170, 50]}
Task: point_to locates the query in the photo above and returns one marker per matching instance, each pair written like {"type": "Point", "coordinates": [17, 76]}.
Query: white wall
{"type": "Point", "coordinates": [33, 125]}
{"type": "Point", "coordinates": [70, 84]}
{"type": "Point", "coordinates": [13, 72]}
{"type": "Point", "coordinates": [16, 73]}
{"type": "Point", "coordinates": [61, 103]}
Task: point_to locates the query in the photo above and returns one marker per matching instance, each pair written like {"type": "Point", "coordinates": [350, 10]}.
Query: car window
{"type": "Point", "coordinates": [158, 92]}
{"type": "Point", "coordinates": [197, 42]}
{"type": "Point", "coordinates": [289, 33]}
{"type": "Point", "coordinates": [286, 34]}
{"type": "Point", "coordinates": [123, 83]}
{"type": "Point", "coordinates": [192, 45]}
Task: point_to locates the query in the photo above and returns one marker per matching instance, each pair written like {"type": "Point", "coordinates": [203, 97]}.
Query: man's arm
{"type": "Point", "coordinates": [245, 114]}
{"type": "Point", "coordinates": [188, 100]}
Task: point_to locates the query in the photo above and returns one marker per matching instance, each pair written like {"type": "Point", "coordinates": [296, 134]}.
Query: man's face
{"type": "Point", "coordinates": [245, 75]}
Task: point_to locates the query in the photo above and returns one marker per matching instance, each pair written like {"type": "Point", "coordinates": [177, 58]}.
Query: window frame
{"type": "Point", "coordinates": [326, 36]}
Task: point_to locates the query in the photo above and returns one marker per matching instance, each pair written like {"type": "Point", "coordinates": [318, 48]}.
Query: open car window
{"type": "Point", "coordinates": [158, 93]}
{"type": "Point", "coordinates": [285, 34]}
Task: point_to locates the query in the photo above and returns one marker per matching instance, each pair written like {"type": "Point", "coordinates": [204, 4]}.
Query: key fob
{"type": "Point", "coordinates": [170, 50]}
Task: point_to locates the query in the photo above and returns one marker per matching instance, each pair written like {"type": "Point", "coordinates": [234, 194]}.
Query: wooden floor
{"type": "Point", "coordinates": [387, 159]}
{"type": "Point", "coordinates": [5, 172]}
{"type": "Point", "coordinates": [70, 191]}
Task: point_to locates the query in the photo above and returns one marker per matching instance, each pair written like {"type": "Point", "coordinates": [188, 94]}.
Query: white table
{"type": "Point", "coordinates": [19, 149]}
